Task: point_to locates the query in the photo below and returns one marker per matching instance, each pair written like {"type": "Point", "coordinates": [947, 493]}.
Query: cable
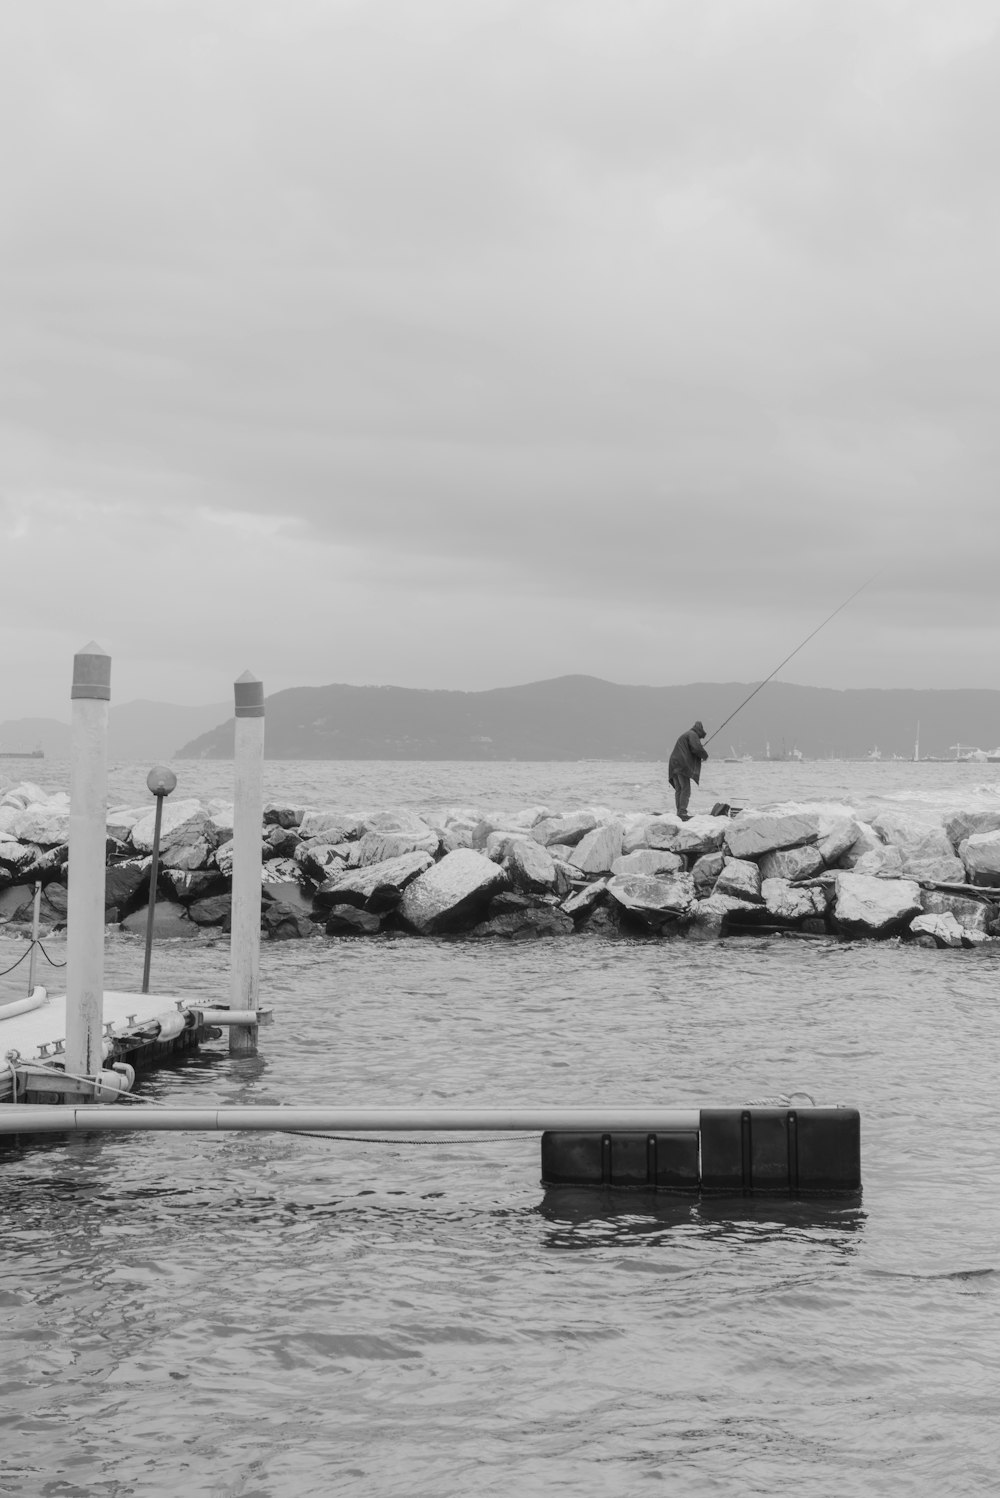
{"type": "Point", "coordinates": [777, 668]}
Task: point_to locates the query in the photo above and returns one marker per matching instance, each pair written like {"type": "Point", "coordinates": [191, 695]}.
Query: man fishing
{"type": "Point", "coordinates": [685, 766]}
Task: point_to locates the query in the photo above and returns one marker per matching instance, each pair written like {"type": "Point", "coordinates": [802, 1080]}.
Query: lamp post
{"type": "Point", "coordinates": [161, 781]}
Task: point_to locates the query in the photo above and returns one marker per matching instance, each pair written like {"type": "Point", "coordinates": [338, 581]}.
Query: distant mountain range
{"type": "Point", "coordinates": [582, 717]}
{"type": "Point", "coordinates": [571, 717]}
{"type": "Point", "coordinates": [136, 731]}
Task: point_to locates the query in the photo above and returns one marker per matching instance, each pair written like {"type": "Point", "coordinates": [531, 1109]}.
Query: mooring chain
{"type": "Point", "coordinates": [36, 943]}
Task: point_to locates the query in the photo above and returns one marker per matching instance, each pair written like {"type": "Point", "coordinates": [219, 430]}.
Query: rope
{"type": "Point", "coordinates": [36, 943]}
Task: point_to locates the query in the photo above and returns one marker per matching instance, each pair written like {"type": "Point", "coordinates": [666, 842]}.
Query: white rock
{"type": "Point", "coordinates": [752, 835]}
{"type": "Point", "coordinates": [881, 861]}
{"type": "Point", "coordinates": [597, 850]}
{"type": "Point", "coordinates": [648, 861]}
{"type": "Point", "coordinates": [450, 892]}
{"type": "Point", "coordinates": [564, 831]}
{"type": "Point", "coordinates": [837, 836]}
{"type": "Point", "coordinates": [980, 854]}
{"type": "Point", "coordinates": [180, 819]}
{"type": "Point", "coordinates": [869, 906]}
{"type": "Point", "coordinates": [973, 915]}
{"type": "Point", "coordinates": [45, 825]}
{"type": "Point", "coordinates": [377, 847]}
{"type": "Point", "coordinates": [866, 842]}
{"type": "Point", "coordinates": [377, 887]}
{"type": "Point", "coordinates": [739, 879]}
{"type": "Point", "coordinates": [397, 820]}
{"type": "Point", "coordinates": [787, 902]}
{"type": "Point", "coordinates": [792, 863]}
{"type": "Point", "coordinates": [530, 867]}
{"type": "Point", "coordinates": [644, 894]}
{"type": "Point", "coordinates": [944, 928]}
{"type": "Point", "coordinates": [325, 826]}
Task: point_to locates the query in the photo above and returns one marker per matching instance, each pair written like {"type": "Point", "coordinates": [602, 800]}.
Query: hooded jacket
{"type": "Point", "coordinates": [688, 754]}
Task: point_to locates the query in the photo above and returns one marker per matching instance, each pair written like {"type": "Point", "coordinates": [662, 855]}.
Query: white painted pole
{"type": "Point", "coordinates": [248, 811]}
{"type": "Point", "coordinates": [88, 803]}
{"type": "Point", "coordinates": [527, 1119]}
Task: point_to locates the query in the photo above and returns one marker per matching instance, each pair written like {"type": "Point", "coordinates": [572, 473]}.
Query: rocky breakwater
{"type": "Point", "coordinates": [534, 872]}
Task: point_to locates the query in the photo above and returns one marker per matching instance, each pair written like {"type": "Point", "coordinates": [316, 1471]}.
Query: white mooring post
{"type": "Point", "coordinates": [88, 802]}
{"type": "Point", "coordinates": [248, 809]}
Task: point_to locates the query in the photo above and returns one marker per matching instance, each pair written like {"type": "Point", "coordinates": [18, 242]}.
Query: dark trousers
{"type": "Point", "coordinates": [682, 791]}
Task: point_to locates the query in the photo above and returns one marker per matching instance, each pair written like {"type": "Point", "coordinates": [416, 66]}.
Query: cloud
{"type": "Point", "coordinates": [486, 342]}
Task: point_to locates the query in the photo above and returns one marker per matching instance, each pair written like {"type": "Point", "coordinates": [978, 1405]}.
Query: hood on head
{"type": "Point", "coordinates": [699, 729]}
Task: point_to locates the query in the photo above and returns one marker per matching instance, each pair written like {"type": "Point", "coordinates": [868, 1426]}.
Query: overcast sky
{"type": "Point", "coordinates": [460, 343]}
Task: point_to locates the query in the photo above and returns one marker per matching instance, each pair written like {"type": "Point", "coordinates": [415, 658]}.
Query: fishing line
{"type": "Point", "coordinates": [798, 647]}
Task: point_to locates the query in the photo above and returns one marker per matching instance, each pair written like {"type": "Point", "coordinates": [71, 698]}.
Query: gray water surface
{"type": "Point", "coordinates": [287, 1316]}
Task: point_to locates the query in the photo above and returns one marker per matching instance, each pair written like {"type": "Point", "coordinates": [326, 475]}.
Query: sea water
{"type": "Point", "coordinates": [271, 1315]}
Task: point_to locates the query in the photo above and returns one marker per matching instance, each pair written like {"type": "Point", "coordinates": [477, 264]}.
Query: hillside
{"type": "Point", "coordinates": [582, 717]}
{"type": "Point", "coordinates": [136, 731]}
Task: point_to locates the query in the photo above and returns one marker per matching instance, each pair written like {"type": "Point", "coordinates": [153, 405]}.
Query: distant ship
{"type": "Point", "coordinates": [22, 753]}
{"type": "Point", "coordinates": [874, 754]}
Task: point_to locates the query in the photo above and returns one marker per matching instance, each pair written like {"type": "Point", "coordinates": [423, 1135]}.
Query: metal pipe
{"type": "Point", "coordinates": [527, 1118]}
{"type": "Point", "coordinates": [154, 869]}
{"type": "Point", "coordinates": [161, 781]}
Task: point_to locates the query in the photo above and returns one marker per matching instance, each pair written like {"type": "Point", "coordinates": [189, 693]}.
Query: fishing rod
{"type": "Point", "coordinates": [798, 647]}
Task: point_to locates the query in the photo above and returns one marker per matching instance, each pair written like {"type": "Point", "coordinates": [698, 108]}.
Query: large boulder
{"type": "Point", "coordinates": [184, 884]}
{"type": "Point", "coordinates": [16, 903]}
{"type": "Point", "coordinates": [945, 930]}
{"type": "Point", "coordinates": [47, 826]}
{"type": "Point", "coordinates": [376, 887]}
{"type": "Point", "coordinates": [282, 841]}
{"type": "Point", "coordinates": [712, 917]}
{"type": "Point", "coordinates": [752, 834]}
{"type": "Point", "coordinates": [793, 863]}
{"type": "Point", "coordinates": [376, 846]}
{"type": "Point", "coordinates": [925, 850]}
{"type": "Point", "coordinates": [187, 837]}
{"type": "Point", "coordinates": [867, 841]}
{"type": "Point", "coordinates": [533, 921]}
{"type": "Point", "coordinates": [451, 893]}
{"type": "Point", "coordinates": [348, 920]}
{"type": "Point", "coordinates": [169, 920]}
{"type": "Point", "coordinates": [964, 823]}
{"type": "Point", "coordinates": [530, 867]}
{"type": "Point", "coordinates": [213, 910]}
{"type": "Point", "coordinates": [837, 836]}
{"type": "Point", "coordinates": [647, 896]}
{"type": "Point", "coordinates": [700, 834]}
{"type": "Point", "coordinates": [276, 814]}
{"type": "Point", "coordinates": [596, 851]}
{"type": "Point", "coordinates": [740, 879]}
{"type": "Point", "coordinates": [284, 922]}
{"type": "Point", "coordinates": [567, 830]}
{"type": "Point", "coordinates": [792, 902]}
{"type": "Point", "coordinates": [648, 861]}
{"type": "Point", "coordinates": [318, 861]}
{"type": "Point", "coordinates": [583, 901]}
{"type": "Point", "coordinates": [973, 915]}
{"type": "Point", "coordinates": [178, 819]}
{"type": "Point", "coordinates": [881, 863]}
{"type": "Point", "coordinates": [16, 857]}
{"type": "Point", "coordinates": [126, 887]}
{"type": "Point", "coordinates": [866, 906]}
{"type": "Point", "coordinates": [326, 826]}
{"type": "Point", "coordinates": [980, 854]}
{"type": "Point", "coordinates": [706, 870]}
